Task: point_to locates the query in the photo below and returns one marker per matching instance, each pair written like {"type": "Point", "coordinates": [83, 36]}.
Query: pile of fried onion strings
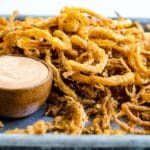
{"type": "Point", "coordinates": [101, 70]}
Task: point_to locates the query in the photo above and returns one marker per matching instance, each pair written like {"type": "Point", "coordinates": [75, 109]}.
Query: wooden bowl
{"type": "Point", "coordinates": [16, 103]}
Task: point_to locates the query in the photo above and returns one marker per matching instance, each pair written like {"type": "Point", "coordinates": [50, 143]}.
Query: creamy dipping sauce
{"type": "Point", "coordinates": [21, 72]}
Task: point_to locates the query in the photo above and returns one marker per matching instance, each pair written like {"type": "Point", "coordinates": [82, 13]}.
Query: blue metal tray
{"type": "Point", "coordinates": [62, 140]}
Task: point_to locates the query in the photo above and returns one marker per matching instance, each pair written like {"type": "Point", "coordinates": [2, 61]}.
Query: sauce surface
{"type": "Point", "coordinates": [21, 72]}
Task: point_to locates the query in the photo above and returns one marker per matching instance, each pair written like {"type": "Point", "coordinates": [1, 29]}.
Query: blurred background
{"type": "Point", "coordinates": [127, 8]}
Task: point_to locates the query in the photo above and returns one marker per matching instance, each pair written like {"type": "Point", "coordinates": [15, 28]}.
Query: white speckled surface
{"type": "Point", "coordinates": [127, 8]}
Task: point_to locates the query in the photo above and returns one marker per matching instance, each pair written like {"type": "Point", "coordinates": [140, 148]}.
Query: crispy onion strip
{"type": "Point", "coordinates": [27, 44]}
{"type": "Point", "coordinates": [9, 42]}
{"type": "Point", "coordinates": [58, 80]}
{"type": "Point", "coordinates": [109, 81]}
{"type": "Point", "coordinates": [98, 54]}
{"type": "Point", "coordinates": [122, 23]}
{"type": "Point", "coordinates": [144, 94]}
{"type": "Point", "coordinates": [146, 97]}
{"type": "Point", "coordinates": [135, 119]}
{"type": "Point", "coordinates": [65, 38]}
{"type": "Point", "coordinates": [138, 108]}
{"type": "Point", "coordinates": [128, 129]}
{"type": "Point", "coordinates": [72, 21]}
{"type": "Point", "coordinates": [100, 32]}
{"type": "Point", "coordinates": [35, 32]}
{"type": "Point", "coordinates": [136, 62]}
{"type": "Point", "coordinates": [84, 10]}
{"type": "Point", "coordinates": [48, 23]}
{"type": "Point", "coordinates": [109, 44]}
{"type": "Point", "coordinates": [78, 41]}
{"type": "Point", "coordinates": [39, 127]}
{"type": "Point", "coordinates": [76, 115]}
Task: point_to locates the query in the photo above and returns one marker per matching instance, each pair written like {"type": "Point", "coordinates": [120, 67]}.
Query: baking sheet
{"type": "Point", "coordinates": [23, 122]}
{"type": "Point", "coordinates": [61, 140]}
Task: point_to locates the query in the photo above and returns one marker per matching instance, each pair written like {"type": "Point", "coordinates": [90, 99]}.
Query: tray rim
{"type": "Point", "coordinates": [62, 140]}
{"type": "Point", "coordinates": [22, 16]}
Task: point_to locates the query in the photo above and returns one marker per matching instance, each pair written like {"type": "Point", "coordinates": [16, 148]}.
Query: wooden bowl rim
{"type": "Point", "coordinates": [48, 78]}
